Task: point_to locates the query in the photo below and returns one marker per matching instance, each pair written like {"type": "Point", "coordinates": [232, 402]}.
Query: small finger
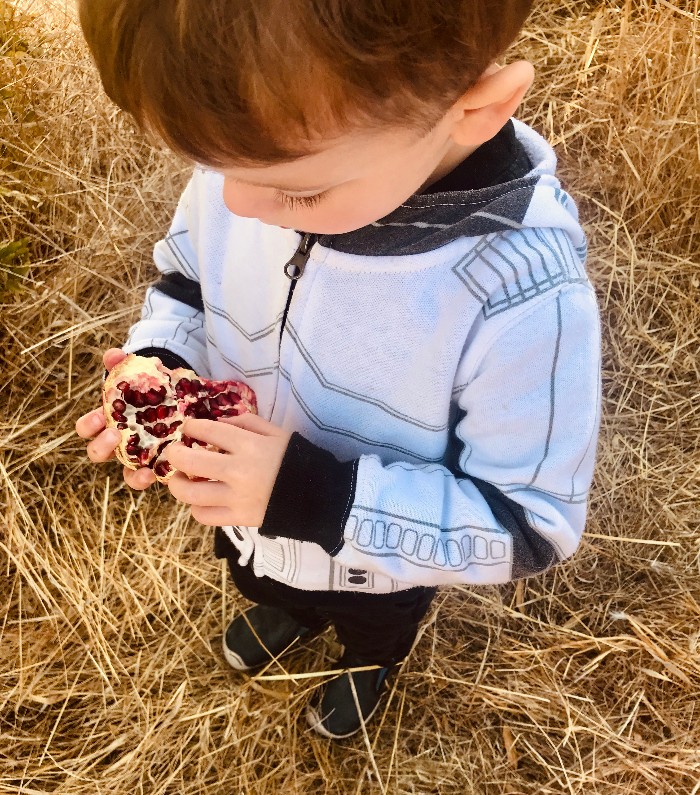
{"type": "Point", "coordinates": [101, 448]}
{"type": "Point", "coordinates": [216, 433]}
{"type": "Point", "coordinates": [139, 479]}
{"type": "Point", "coordinates": [197, 462]}
{"type": "Point", "coordinates": [197, 492]}
{"type": "Point", "coordinates": [90, 424]}
{"type": "Point", "coordinates": [211, 515]}
{"type": "Point", "coordinates": [253, 423]}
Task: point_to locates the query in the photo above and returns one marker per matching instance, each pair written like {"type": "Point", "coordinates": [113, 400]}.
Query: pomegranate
{"type": "Point", "coordinates": [147, 403]}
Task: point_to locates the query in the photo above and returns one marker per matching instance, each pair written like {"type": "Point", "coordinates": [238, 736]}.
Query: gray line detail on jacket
{"type": "Point", "coordinates": [413, 520]}
{"type": "Point", "coordinates": [251, 336]}
{"type": "Point", "coordinates": [500, 219]}
{"type": "Point", "coordinates": [171, 243]}
{"type": "Point", "coordinates": [552, 392]}
{"type": "Point", "coordinates": [349, 434]}
{"type": "Point", "coordinates": [591, 440]}
{"type": "Point", "coordinates": [544, 276]}
{"type": "Point", "coordinates": [247, 373]}
{"type": "Point", "coordinates": [328, 385]}
{"type": "Point", "coordinates": [569, 499]}
{"type": "Point", "coordinates": [572, 498]}
{"type": "Point", "coordinates": [147, 311]}
{"type": "Point", "coordinates": [429, 469]}
{"type": "Point", "coordinates": [417, 224]}
{"type": "Point", "coordinates": [425, 550]}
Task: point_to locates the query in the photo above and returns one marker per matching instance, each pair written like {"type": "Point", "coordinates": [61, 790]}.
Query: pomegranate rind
{"type": "Point", "coordinates": [174, 395]}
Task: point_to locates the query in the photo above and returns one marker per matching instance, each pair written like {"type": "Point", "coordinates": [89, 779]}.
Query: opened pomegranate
{"type": "Point", "coordinates": [147, 403]}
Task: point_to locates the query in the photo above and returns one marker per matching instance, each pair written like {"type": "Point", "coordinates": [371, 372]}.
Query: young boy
{"type": "Point", "coordinates": [385, 256]}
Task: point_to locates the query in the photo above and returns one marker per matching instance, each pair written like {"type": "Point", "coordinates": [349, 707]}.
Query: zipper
{"type": "Point", "coordinates": [294, 270]}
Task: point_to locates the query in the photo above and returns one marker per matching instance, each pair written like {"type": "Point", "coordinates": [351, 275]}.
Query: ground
{"type": "Point", "coordinates": [582, 680]}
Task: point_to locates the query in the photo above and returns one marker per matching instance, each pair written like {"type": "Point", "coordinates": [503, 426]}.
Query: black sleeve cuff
{"type": "Point", "coordinates": [532, 552]}
{"type": "Point", "coordinates": [182, 289]}
{"type": "Point", "coordinates": [171, 360]}
{"type": "Point", "coordinates": [312, 496]}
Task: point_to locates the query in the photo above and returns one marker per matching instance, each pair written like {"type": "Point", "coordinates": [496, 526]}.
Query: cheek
{"type": "Point", "coordinates": [247, 203]}
{"type": "Point", "coordinates": [346, 215]}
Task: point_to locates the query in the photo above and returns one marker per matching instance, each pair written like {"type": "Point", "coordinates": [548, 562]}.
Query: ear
{"type": "Point", "coordinates": [484, 109]}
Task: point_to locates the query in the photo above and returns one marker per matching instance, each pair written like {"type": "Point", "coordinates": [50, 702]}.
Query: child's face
{"type": "Point", "coordinates": [350, 182]}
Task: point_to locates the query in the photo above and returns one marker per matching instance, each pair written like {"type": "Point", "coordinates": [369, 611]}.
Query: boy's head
{"type": "Point", "coordinates": [306, 97]}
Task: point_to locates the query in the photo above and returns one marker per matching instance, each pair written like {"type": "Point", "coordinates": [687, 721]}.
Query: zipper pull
{"type": "Point", "coordinates": [295, 267]}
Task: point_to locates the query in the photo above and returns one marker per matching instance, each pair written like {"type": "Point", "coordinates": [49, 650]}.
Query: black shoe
{"type": "Point", "coordinates": [333, 710]}
{"type": "Point", "coordinates": [260, 635]}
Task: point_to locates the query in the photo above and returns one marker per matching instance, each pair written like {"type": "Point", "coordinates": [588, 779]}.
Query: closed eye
{"type": "Point", "coordinates": [297, 202]}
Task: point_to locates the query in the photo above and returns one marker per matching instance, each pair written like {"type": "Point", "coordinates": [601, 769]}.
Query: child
{"type": "Point", "coordinates": [385, 256]}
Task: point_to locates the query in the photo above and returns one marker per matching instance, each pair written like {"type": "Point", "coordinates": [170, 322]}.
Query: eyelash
{"type": "Point", "coordinates": [297, 202]}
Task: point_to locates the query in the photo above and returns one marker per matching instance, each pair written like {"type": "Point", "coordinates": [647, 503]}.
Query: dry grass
{"type": "Point", "coordinates": [584, 680]}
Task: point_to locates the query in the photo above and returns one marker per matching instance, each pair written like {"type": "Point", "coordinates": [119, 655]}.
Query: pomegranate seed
{"type": "Point", "coordinates": [225, 400]}
{"type": "Point", "coordinates": [163, 411]}
{"type": "Point", "coordinates": [159, 430]}
{"type": "Point", "coordinates": [118, 405]}
{"type": "Point", "coordinates": [174, 425]}
{"type": "Point", "coordinates": [124, 386]}
{"type": "Point", "coordinates": [153, 397]}
{"type": "Point", "coordinates": [150, 415]}
{"type": "Point", "coordinates": [122, 425]}
{"type": "Point", "coordinates": [118, 416]}
{"type": "Point", "coordinates": [135, 398]}
{"type": "Point", "coordinates": [216, 413]}
{"type": "Point", "coordinates": [162, 468]}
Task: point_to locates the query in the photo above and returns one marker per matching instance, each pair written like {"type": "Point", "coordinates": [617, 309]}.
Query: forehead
{"type": "Point", "coordinates": [347, 156]}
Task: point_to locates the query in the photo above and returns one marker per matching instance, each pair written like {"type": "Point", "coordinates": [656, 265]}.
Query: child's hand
{"type": "Point", "coordinates": [101, 448]}
{"type": "Point", "coordinates": [239, 479]}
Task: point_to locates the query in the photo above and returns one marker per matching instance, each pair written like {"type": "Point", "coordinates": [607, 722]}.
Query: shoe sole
{"type": "Point", "coordinates": [316, 723]}
{"type": "Point", "coordinates": [232, 658]}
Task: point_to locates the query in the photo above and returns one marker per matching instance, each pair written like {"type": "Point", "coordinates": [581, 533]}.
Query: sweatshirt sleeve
{"type": "Point", "coordinates": [512, 502]}
{"type": "Point", "coordinates": [172, 319]}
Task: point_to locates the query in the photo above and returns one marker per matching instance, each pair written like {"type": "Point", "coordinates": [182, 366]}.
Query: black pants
{"type": "Point", "coordinates": [379, 628]}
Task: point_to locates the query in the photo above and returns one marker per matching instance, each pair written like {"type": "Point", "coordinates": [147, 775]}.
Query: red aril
{"type": "Point", "coordinates": [147, 403]}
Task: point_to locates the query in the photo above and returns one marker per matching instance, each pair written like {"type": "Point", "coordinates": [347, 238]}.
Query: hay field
{"type": "Point", "coordinates": [583, 680]}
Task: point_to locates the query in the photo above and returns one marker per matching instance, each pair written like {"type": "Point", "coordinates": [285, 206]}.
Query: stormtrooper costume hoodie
{"type": "Point", "coordinates": [439, 370]}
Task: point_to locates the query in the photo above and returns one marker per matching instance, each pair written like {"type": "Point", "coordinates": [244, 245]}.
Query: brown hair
{"type": "Point", "coordinates": [255, 81]}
